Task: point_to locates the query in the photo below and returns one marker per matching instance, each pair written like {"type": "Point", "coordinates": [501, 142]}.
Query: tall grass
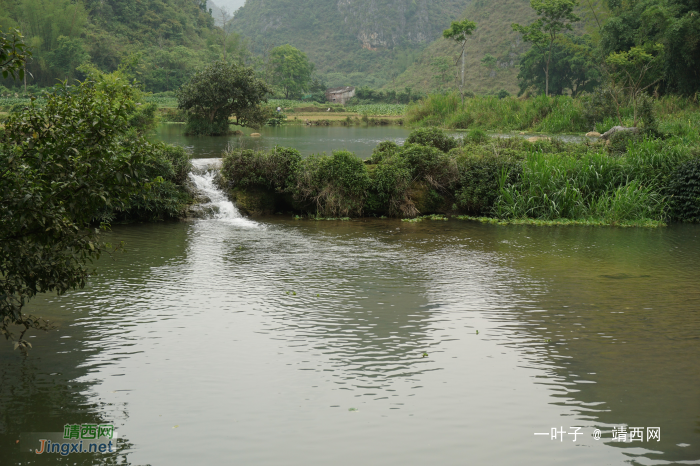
{"type": "Point", "coordinates": [555, 114]}
{"type": "Point", "coordinates": [562, 114]}
{"type": "Point", "coordinates": [594, 185]}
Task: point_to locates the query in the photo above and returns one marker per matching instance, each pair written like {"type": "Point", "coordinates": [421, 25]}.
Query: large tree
{"type": "Point", "coordinates": [219, 91]}
{"type": "Point", "coordinates": [291, 70]}
{"type": "Point", "coordinates": [554, 17]}
{"type": "Point", "coordinates": [64, 166]}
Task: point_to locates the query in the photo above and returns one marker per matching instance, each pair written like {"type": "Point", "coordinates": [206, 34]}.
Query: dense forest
{"type": "Point", "coordinates": [377, 44]}
{"type": "Point", "coordinates": [164, 40]}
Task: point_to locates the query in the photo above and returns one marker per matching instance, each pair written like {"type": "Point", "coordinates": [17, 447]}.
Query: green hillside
{"type": "Point", "coordinates": [493, 35]}
{"type": "Point", "coordinates": [351, 42]}
{"type": "Point", "coordinates": [169, 38]}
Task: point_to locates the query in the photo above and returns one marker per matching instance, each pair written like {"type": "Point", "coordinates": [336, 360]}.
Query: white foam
{"type": "Point", "coordinates": [219, 206]}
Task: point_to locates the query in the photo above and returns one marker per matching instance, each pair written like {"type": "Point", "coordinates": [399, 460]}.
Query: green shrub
{"type": "Point", "coordinates": [479, 181]}
{"type": "Point", "coordinates": [164, 196]}
{"type": "Point", "coordinates": [477, 136]}
{"type": "Point", "coordinates": [432, 137]}
{"type": "Point", "coordinates": [181, 163]}
{"type": "Point", "coordinates": [598, 107]}
{"type": "Point", "coordinates": [431, 165]}
{"type": "Point", "coordinates": [274, 170]}
{"type": "Point", "coordinates": [161, 200]}
{"type": "Point", "coordinates": [383, 150]}
{"type": "Point", "coordinates": [390, 180]}
{"type": "Point", "coordinates": [684, 191]}
{"type": "Point", "coordinates": [502, 94]}
{"type": "Point", "coordinates": [144, 117]}
{"type": "Point", "coordinates": [647, 115]}
{"type": "Point", "coordinates": [620, 140]}
{"type": "Point", "coordinates": [335, 186]}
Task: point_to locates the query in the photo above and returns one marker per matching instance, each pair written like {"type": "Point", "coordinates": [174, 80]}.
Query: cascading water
{"type": "Point", "coordinates": [218, 206]}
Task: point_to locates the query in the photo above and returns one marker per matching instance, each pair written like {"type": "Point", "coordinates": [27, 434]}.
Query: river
{"type": "Point", "coordinates": [274, 341]}
{"type": "Point", "coordinates": [360, 140]}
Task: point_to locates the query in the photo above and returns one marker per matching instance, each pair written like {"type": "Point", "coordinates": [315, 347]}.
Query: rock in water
{"type": "Point", "coordinates": [538, 138]}
{"type": "Point", "coordinates": [593, 134]}
{"type": "Point", "coordinates": [254, 135]}
{"type": "Point", "coordinates": [618, 129]}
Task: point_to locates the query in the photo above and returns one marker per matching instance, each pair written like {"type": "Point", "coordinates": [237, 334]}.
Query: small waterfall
{"type": "Point", "coordinates": [217, 206]}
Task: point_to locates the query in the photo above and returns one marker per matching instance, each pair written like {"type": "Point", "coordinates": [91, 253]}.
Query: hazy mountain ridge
{"type": "Point", "coordinates": [351, 42]}
{"type": "Point", "coordinates": [393, 43]}
{"type": "Point", "coordinates": [493, 35]}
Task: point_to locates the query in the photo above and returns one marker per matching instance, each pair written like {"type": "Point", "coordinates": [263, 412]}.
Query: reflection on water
{"type": "Point", "coordinates": [302, 342]}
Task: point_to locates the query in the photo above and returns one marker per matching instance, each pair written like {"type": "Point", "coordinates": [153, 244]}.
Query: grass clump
{"type": "Point", "coordinates": [165, 197]}
{"type": "Point", "coordinates": [432, 137]}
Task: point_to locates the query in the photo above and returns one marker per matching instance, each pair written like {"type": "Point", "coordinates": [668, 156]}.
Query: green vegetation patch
{"type": "Point", "coordinates": [509, 180]}
{"type": "Point", "coordinates": [646, 223]}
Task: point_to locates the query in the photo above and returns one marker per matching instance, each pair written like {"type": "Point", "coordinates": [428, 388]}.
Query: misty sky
{"type": "Point", "coordinates": [231, 5]}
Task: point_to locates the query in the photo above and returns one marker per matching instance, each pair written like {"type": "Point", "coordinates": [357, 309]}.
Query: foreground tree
{"type": "Point", "coordinates": [63, 168]}
{"type": "Point", "coordinates": [13, 54]}
{"type": "Point", "coordinates": [291, 70]}
{"type": "Point", "coordinates": [555, 16]}
{"type": "Point", "coordinates": [220, 91]}
{"type": "Point", "coordinates": [460, 31]}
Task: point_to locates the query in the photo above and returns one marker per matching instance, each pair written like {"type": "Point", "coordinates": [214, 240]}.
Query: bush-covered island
{"type": "Point", "coordinates": [634, 180]}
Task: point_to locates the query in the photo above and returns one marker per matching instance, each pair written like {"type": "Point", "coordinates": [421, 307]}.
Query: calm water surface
{"type": "Point", "coordinates": [282, 342]}
{"type": "Point", "coordinates": [306, 139]}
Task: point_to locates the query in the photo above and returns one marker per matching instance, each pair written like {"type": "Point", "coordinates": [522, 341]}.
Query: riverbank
{"type": "Point", "coordinates": [633, 181]}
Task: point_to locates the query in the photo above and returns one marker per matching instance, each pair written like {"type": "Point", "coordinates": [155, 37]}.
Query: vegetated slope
{"type": "Point", "coordinates": [493, 35]}
{"type": "Point", "coordinates": [351, 42]}
{"type": "Point", "coordinates": [172, 37]}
